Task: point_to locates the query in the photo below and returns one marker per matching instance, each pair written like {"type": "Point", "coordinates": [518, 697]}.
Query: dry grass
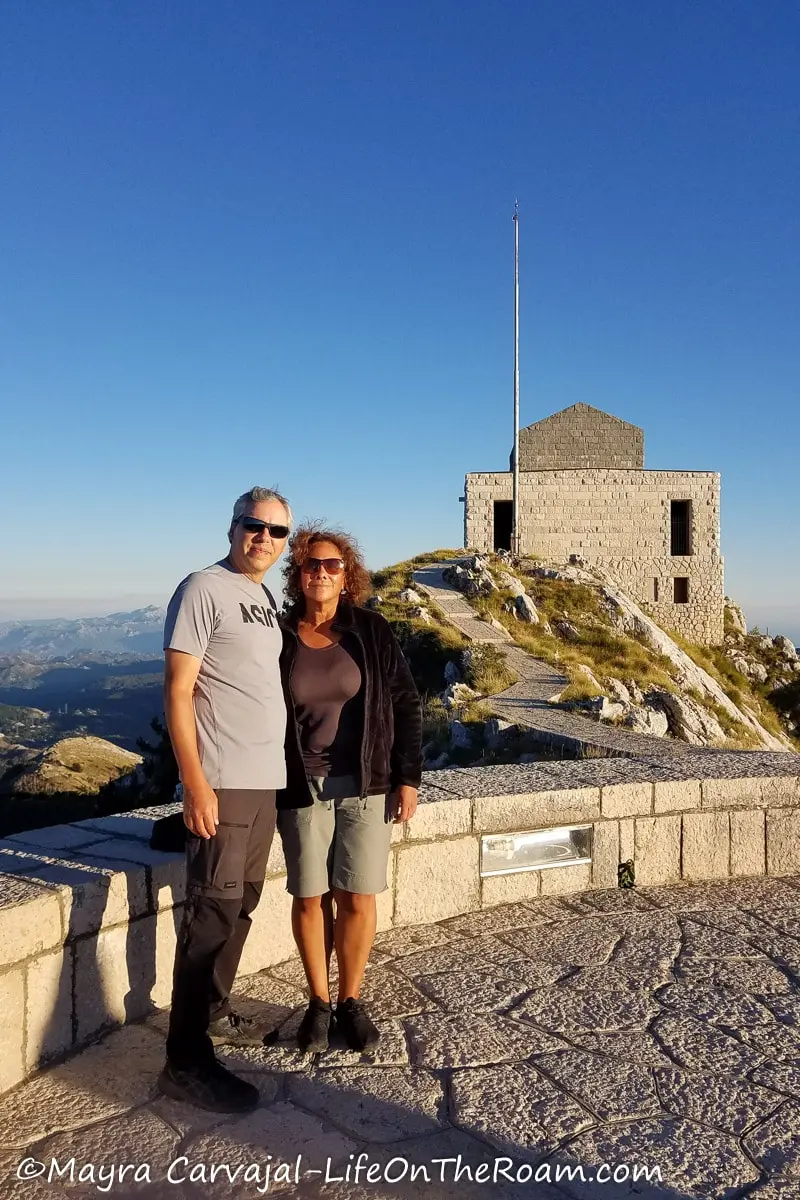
{"type": "Point", "coordinates": [607, 652]}
{"type": "Point", "coordinates": [736, 686]}
{"type": "Point", "coordinates": [488, 672]}
{"type": "Point", "coordinates": [78, 765]}
{"type": "Point", "coordinates": [579, 689]}
{"type": "Point", "coordinates": [429, 646]}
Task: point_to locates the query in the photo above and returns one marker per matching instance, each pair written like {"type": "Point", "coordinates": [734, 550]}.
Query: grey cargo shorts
{"type": "Point", "coordinates": [340, 841]}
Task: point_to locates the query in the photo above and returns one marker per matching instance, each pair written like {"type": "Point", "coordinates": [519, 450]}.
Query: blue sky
{"type": "Point", "coordinates": [271, 243]}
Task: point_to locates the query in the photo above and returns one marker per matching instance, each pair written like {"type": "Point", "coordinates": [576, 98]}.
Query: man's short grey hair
{"type": "Point", "coordinates": [255, 496]}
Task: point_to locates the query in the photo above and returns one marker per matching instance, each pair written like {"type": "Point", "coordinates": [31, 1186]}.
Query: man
{"type": "Point", "coordinates": [226, 716]}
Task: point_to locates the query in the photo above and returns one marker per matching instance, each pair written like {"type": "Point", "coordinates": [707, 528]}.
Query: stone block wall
{"type": "Point", "coordinates": [620, 520]}
{"type": "Point", "coordinates": [89, 914]}
{"type": "Point", "coordinates": [580, 436]}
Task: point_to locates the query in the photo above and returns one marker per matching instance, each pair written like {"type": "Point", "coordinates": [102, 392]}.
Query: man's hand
{"type": "Point", "coordinates": [404, 803]}
{"type": "Point", "coordinates": [200, 810]}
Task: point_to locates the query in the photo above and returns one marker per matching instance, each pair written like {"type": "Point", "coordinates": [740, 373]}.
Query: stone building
{"type": "Point", "coordinates": [583, 489]}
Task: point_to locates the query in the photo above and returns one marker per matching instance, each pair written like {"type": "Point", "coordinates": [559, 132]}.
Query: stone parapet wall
{"type": "Point", "coordinates": [89, 913]}
{"type": "Point", "coordinates": [620, 520]}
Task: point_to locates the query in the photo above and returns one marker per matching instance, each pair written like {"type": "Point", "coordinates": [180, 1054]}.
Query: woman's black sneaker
{"type": "Point", "coordinates": [315, 1027]}
{"type": "Point", "coordinates": [210, 1086]}
{"type": "Point", "coordinates": [355, 1026]}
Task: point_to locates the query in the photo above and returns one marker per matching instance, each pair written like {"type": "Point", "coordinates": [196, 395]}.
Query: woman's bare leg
{"type": "Point", "coordinates": [354, 933]}
{"type": "Point", "coordinates": [312, 926]}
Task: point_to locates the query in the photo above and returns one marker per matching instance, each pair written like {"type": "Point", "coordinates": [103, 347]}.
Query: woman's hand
{"type": "Point", "coordinates": [404, 803]}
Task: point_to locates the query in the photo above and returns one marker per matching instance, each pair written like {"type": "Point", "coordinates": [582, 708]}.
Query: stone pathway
{"type": "Point", "coordinates": [529, 701]}
{"type": "Point", "coordinates": [655, 1029]}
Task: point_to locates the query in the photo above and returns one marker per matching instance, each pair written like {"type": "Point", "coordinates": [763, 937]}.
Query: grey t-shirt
{"type": "Point", "coordinates": [226, 620]}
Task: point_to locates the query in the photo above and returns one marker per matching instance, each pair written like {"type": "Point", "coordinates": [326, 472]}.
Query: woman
{"type": "Point", "coordinates": [353, 767]}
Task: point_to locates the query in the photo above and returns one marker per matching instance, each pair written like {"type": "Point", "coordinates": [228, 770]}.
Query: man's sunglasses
{"type": "Point", "coordinates": [334, 566]}
{"type": "Point", "coordinates": [253, 525]}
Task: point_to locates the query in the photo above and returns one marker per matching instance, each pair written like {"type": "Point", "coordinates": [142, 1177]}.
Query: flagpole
{"type": "Point", "coordinates": [515, 530]}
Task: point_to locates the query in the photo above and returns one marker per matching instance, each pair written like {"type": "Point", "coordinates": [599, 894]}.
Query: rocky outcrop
{"type": "Point", "coordinates": [78, 765]}
{"type": "Point", "coordinates": [526, 609]}
{"type": "Point", "coordinates": [646, 719]}
{"type": "Point", "coordinates": [689, 676]}
{"type": "Point", "coordinates": [473, 577]}
{"type": "Point", "coordinates": [689, 721]}
{"type": "Point", "coordinates": [734, 617]}
{"type": "Point", "coordinates": [785, 647]}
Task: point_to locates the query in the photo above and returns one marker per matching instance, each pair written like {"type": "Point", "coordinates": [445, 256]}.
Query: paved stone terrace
{"type": "Point", "coordinates": [529, 701]}
{"type": "Point", "coordinates": [658, 1028]}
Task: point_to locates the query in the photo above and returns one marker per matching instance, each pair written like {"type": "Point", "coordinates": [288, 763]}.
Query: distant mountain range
{"type": "Point", "coordinates": [136, 633]}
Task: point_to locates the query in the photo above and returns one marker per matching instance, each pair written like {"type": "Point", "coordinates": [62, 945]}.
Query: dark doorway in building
{"type": "Point", "coordinates": [681, 527]}
{"type": "Point", "coordinates": [503, 519]}
{"type": "Point", "coordinates": [681, 593]}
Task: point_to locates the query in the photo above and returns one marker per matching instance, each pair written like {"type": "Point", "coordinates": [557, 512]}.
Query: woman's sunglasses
{"type": "Point", "coordinates": [333, 566]}
{"type": "Point", "coordinates": [253, 525]}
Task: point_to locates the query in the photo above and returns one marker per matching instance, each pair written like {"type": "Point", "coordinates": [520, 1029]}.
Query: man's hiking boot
{"type": "Point", "coordinates": [233, 1029]}
{"type": "Point", "coordinates": [209, 1086]}
{"type": "Point", "coordinates": [355, 1025]}
{"type": "Point", "coordinates": [315, 1027]}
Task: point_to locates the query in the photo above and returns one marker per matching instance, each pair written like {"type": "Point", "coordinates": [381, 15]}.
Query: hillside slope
{"type": "Point", "coordinates": [79, 766]}
{"type": "Point", "coordinates": [621, 666]}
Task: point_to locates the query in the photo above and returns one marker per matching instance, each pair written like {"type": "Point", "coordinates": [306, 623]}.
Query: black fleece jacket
{"type": "Point", "coordinates": [391, 739]}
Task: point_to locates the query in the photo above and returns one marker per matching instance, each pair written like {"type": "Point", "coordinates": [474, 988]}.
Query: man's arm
{"type": "Point", "coordinates": [200, 811]}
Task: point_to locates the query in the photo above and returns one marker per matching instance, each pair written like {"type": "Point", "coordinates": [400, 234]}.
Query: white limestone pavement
{"type": "Point", "coordinates": [657, 1029]}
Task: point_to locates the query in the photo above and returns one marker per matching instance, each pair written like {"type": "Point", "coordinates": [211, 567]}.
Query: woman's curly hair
{"type": "Point", "coordinates": [357, 582]}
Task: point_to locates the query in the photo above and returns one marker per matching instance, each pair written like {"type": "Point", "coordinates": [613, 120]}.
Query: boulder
{"type": "Point", "coordinates": [477, 563]}
{"type": "Point", "coordinates": [409, 596]}
{"type": "Point", "coordinates": [460, 736]}
{"type": "Point", "coordinates": [636, 694]}
{"type": "Point", "coordinates": [785, 646]}
{"type": "Point", "coordinates": [735, 616]}
{"type": "Point", "coordinates": [688, 721]}
{"type": "Point", "coordinates": [526, 609]}
{"type": "Point", "coordinates": [510, 583]}
{"type": "Point", "coordinates": [496, 732]}
{"type": "Point", "coordinates": [472, 580]}
{"type": "Point", "coordinates": [565, 575]}
{"type": "Point", "coordinates": [749, 668]}
{"type": "Point", "coordinates": [652, 721]}
{"type": "Point", "coordinates": [457, 694]}
{"type": "Point", "coordinates": [374, 602]}
{"type": "Point", "coordinates": [604, 709]}
{"type": "Point", "coordinates": [420, 613]}
{"type": "Point", "coordinates": [452, 672]}
{"type": "Point", "coordinates": [567, 631]}
{"type": "Point", "coordinates": [618, 691]}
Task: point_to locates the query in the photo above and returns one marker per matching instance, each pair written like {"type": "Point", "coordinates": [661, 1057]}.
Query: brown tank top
{"type": "Point", "coordinates": [327, 691]}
